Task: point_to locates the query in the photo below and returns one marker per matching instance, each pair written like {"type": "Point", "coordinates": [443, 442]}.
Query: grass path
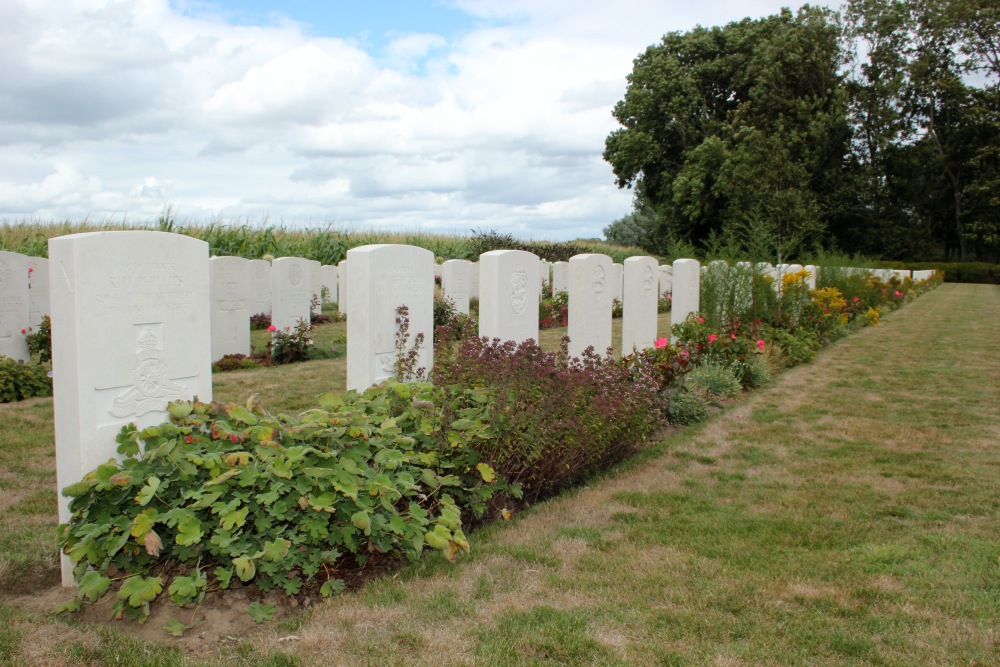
{"type": "Point", "coordinates": [847, 515]}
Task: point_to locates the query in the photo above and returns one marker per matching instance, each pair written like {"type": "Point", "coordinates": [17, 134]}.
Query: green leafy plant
{"type": "Point", "coordinates": [40, 341]}
{"type": "Point", "coordinates": [233, 362]}
{"type": "Point", "coordinates": [553, 311]}
{"type": "Point", "coordinates": [713, 378]}
{"type": "Point", "coordinates": [290, 345]}
{"type": "Point", "coordinates": [685, 408]}
{"type": "Point", "coordinates": [20, 380]}
{"type": "Point", "coordinates": [260, 321]}
{"type": "Point", "coordinates": [224, 493]}
{"type": "Point", "coordinates": [407, 358]}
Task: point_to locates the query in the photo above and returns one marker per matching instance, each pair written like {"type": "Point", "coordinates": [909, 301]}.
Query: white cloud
{"type": "Point", "coordinates": [115, 107]}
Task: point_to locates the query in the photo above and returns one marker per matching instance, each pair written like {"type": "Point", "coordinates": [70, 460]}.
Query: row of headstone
{"type": "Point", "coordinates": [24, 300]}
{"type": "Point", "coordinates": [134, 311]}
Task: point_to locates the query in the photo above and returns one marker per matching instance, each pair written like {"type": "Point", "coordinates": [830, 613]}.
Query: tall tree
{"type": "Point", "coordinates": [749, 119]}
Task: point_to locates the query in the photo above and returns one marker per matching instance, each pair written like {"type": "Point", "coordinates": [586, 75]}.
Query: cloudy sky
{"type": "Point", "coordinates": [409, 115]}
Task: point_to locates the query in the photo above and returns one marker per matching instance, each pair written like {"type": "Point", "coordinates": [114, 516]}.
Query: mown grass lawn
{"type": "Point", "coordinates": [846, 515]}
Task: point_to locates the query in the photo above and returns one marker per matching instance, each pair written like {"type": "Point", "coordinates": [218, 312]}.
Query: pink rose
{"type": "Point", "coordinates": [30, 269]}
{"type": "Point", "coordinates": [272, 328]}
{"type": "Point", "coordinates": [857, 299]}
{"type": "Point", "coordinates": [733, 336]}
{"type": "Point", "coordinates": [712, 338]}
{"type": "Point", "coordinates": [701, 319]}
{"type": "Point", "coordinates": [660, 342]}
{"type": "Point", "coordinates": [24, 331]}
{"type": "Point", "coordinates": [760, 345]}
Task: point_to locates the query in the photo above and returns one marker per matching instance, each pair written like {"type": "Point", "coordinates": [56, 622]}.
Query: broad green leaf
{"type": "Point", "coordinates": [175, 627]}
{"type": "Point", "coordinates": [329, 401]}
{"type": "Point", "coordinates": [224, 576]}
{"type": "Point", "coordinates": [362, 521]}
{"type": "Point", "coordinates": [241, 415]}
{"type": "Point", "coordinates": [261, 612]}
{"type": "Point", "coordinates": [269, 498]}
{"type": "Point", "coordinates": [292, 586]}
{"type": "Point", "coordinates": [463, 424]}
{"type": "Point", "coordinates": [93, 585]}
{"type": "Point", "coordinates": [148, 490]}
{"type": "Point", "coordinates": [450, 519]}
{"type": "Point", "coordinates": [487, 472]}
{"type": "Point", "coordinates": [418, 513]}
{"type": "Point", "coordinates": [276, 550]}
{"type": "Point", "coordinates": [234, 519]}
{"type": "Point", "coordinates": [189, 531]}
{"type": "Point", "coordinates": [245, 568]}
{"type": "Point", "coordinates": [332, 587]}
{"type": "Point", "coordinates": [76, 490]}
{"type": "Point", "coordinates": [237, 459]}
{"type": "Point", "coordinates": [71, 606]}
{"type": "Point", "coordinates": [206, 499]}
{"type": "Point", "coordinates": [282, 466]}
{"type": "Point", "coordinates": [144, 522]}
{"type": "Point", "coordinates": [435, 540]}
{"type": "Point", "coordinates": [223, 477]}
{"type": "Point", "coordinates": [184, 590]}
{"type": "Point", "coordinates": [324, 502]}
{"type": "Point", "coordinates": [347, 486]}
{"type": "Point", "coordinates": [180, 409]}
{"type": "Point", "coordinates": [139, 590]}
{"type": "Point", "coordinates": [397, 524]}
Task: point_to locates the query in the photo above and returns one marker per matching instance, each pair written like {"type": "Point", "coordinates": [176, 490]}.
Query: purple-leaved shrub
{"type": "Point", "coordinates": [555, 419]}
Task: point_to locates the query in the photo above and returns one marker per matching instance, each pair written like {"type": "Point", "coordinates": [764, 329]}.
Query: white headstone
{"type": "Point", "coordinates": [617, 281]}
{"type": "Point", "coordinates": [382, 278]}
{"type": "Point", "coordinates": [330, 282]}
{"type": "Point", "coordinates": [229, 283]}
{"type": "Point", "coordinates": [508, 306]}
{"type": "Point", "coordinates": [544, 276]}
{"type": "Point", "coordinates": [560, 277]}
{"type": "Point", "coordinates": [342, 292]}
{"type": "Point", "coordinates": [15, 307]}
{"type": "Point", "coordinates": [131, 333]}
{"type": "Point", "coordinates": [639, 303]}
{"type": "Point", "coordinates": [316, 285]}
{"type": "Point", "coordinates": [260, 287]}
{"type": "Point", "coordinates": [687, 290]}
{"type": "Point", "coordinates": [591, 289]}
{"type": "Point", "coordinates": [455, 283]}
{"type": "Point", "coordinates": [474, 280]}
{"type": "Point", "coordinates": [813, 276]}
{"type": "Point", "coordinates": [772, 272]}
{"type": "Point", "coordinates": [38, 290]}
{"type": "Point", "coordinates": [923, 275]}
{"type": "Point", "coordinates": [291, 291]}
{"type": "Point", "coordinates": [666, 279]}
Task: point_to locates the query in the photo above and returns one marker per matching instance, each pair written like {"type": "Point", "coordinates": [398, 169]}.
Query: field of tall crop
{"type": "Point", "coordinates": [328, 245]}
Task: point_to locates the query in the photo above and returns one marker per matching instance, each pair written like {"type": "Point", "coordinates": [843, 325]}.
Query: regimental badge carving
{"type": "Point", "coordinates": [295, 274]}
{"type": "Point", "coordinates": [153, 389]}
{"type": "Point", "coordinates": [599, 282]}
{"type": "Point", "coordinates": [648, 282]}
{"type": "Point", "coordinates": [519, 290]}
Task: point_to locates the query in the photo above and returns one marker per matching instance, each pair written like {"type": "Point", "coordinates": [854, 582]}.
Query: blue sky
{"type": "Point", "coordinates": [370, 22]}
{"type": "Point", "coordinates": [387, 115]}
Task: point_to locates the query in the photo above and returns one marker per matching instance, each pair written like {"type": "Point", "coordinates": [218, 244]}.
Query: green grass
{"type": "Point", "coordinates": [846, 514]}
